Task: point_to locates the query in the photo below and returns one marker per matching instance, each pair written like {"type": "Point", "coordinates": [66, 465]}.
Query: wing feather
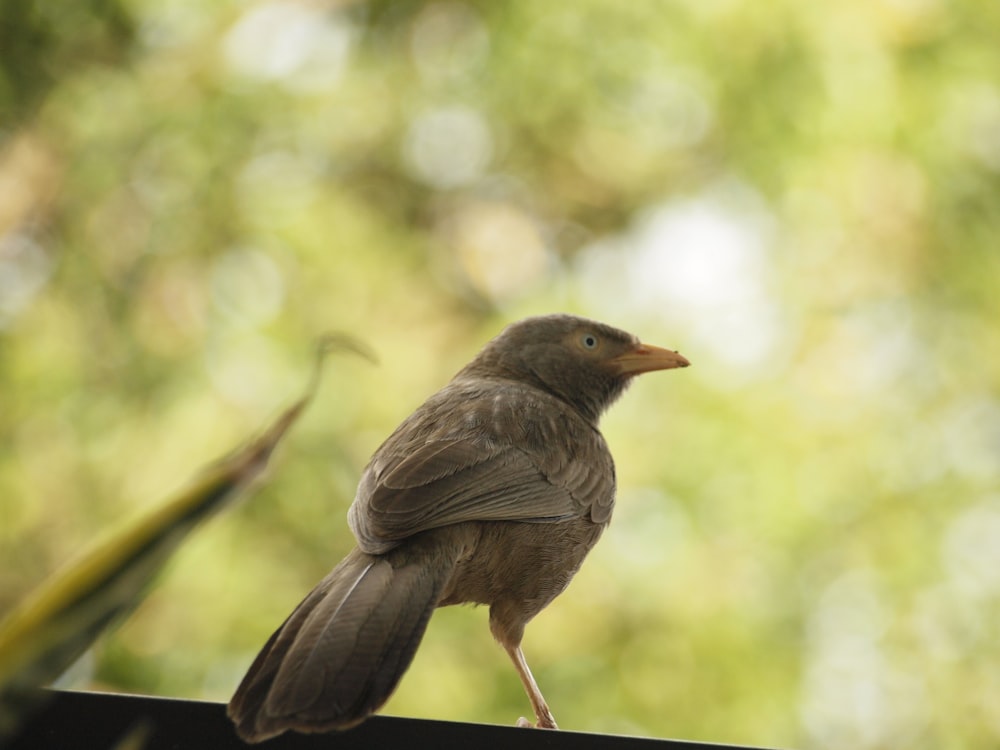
{"type": "Point", "coordinates": [519, 462]}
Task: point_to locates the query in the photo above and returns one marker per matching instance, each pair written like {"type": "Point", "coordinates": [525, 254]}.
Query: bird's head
{"type": "Point", "coordinates": [584, 362]}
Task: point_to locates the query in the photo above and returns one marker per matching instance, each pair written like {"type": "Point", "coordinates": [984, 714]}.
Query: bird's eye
{"type": "Point", "coordinates": [589, 341]}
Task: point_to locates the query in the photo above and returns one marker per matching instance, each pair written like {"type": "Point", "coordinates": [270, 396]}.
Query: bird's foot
{"type": "Point", "coordinates": [544, 722]}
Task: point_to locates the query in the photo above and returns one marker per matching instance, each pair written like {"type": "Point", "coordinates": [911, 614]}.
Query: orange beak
{"type": "Point", "coordinates": [646, 358]}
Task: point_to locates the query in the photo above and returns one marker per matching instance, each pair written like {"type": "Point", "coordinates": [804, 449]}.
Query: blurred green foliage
{"type": "Point", "coordinates": [804, 198]}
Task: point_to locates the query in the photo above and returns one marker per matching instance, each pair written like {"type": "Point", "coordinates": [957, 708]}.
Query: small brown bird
{"type": "Point", "coordinates": [492, 492]}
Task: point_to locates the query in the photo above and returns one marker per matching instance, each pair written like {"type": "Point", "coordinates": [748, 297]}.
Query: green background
{"type": "Point", "coordinates": [802, 197]}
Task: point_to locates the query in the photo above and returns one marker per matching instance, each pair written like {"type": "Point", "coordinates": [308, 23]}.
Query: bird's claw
{"type": "Point", "coordinates": [544, 722]}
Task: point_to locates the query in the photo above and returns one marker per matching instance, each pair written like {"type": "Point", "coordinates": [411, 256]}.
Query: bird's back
{"type": "Point", "coordinates": [484, 450]}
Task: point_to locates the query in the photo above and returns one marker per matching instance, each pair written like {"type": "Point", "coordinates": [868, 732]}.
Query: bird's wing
{"type": "Point", "coordinates": [444, 482]}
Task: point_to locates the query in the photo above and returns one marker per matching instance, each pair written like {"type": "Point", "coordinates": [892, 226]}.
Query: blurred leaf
{"type": "Point", "coordinates": [43, 636]}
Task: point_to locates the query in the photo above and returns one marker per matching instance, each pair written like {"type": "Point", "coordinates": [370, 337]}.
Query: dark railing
{"type": "Point", "coordinates": [107, 721]}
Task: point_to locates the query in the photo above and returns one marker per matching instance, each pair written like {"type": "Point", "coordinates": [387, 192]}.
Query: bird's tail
{"type": "Point", "coordinates": [341, 653]}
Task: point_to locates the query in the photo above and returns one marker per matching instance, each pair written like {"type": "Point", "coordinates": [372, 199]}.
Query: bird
{"type": "Point", "coordinates": [492, 492]}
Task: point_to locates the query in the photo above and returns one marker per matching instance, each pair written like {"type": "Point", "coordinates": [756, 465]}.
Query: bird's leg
{"type": "Point", "coordinates": [542, 712]}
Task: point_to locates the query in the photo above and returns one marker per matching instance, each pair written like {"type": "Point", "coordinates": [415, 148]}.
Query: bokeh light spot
{"type": "Point", "coordinates": [448, 147]}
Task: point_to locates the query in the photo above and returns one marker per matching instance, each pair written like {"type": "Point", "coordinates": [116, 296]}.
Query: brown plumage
{"type": "Point", "coordinates": [492, 492]}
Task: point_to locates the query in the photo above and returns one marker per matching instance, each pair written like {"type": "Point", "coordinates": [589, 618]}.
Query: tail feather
{"type": "Point", "coordinates": [341, 653]}
{"type": "Point", "coordinates": [389, 640]}
{"type": "Point", "coordinates": [340, 625]}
